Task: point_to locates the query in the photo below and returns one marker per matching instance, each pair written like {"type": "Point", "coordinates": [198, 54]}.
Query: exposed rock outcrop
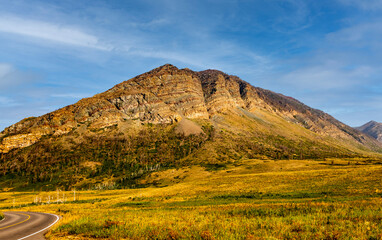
{"type": "Point", "coordinates": [19, 141]}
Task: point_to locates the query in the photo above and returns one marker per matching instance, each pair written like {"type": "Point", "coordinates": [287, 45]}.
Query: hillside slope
{"type": "Point", "coordinates": [170, 117]}
{"type": "Point", "coordinates": [373, 129]}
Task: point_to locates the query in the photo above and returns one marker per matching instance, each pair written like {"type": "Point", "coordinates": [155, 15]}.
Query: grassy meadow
{"type": "Point", "coordinates": [252, 199]}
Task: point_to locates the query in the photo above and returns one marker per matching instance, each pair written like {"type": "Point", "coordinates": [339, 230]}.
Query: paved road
{"type": "Point", "coordinates": [26, 225]}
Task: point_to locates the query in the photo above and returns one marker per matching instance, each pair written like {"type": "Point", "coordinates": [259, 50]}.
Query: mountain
{"type": "Point", "coordinates": [373, 129]}
{"type": "Point", "coordinates": [164, 118]}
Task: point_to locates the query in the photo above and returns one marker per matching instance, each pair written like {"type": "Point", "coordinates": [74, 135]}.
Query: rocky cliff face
{"type": "Point", "coordinates": [166, 95]}
{"type": "Point", "coordinates": [373, 129]}
{"type": "Point", "coordinates": [19, 141]}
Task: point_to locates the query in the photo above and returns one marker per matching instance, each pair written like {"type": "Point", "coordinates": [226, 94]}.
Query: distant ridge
{"type": "Point", "coordinates": [373, 129]}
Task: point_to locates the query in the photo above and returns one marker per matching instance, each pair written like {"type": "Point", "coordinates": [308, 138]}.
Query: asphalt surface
{"type": "Point", "coordinates": [26, 225]}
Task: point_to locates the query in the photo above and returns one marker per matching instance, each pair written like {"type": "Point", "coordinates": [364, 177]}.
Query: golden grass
{"type": "Point", "coordinates": [256, 199]}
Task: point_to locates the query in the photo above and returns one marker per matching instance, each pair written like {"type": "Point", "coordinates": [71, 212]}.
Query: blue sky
{"type": "Point", "coordinates": [327, 54]}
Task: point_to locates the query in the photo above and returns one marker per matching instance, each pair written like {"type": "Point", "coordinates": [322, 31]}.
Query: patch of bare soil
{"type": "Point", "coordinates": [187, 127]}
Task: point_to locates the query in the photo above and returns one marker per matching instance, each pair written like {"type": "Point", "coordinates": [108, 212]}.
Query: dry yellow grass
{"type": "Point", "coordinates": [256, 199]}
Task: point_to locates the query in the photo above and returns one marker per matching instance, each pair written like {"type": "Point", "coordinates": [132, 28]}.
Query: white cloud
{"type": "Point", "coordinates": [71, 95]}
{"type": "Point", "coordinates": [167, 55]}
{"type": "Point", "coordinates": [327, 77]}
{"type": "Point", "coordinates": [211, 56]}
{"type": "Point", "coordinates": [51, 32]}
{"type": "Point", "coordinates": [295, 17]}
{"type": "Point", "coordinates": [5, 69]}
{"type": "Point", "coordinates": [364, 4]}
{"type": "Point", "coordinates": [150, 24]}
{"type": "Point", "coordinates": [7, 101]}
{"type": "Point", "coordinates": [9, 76]}
{"type": "Point", "coordinates": [360, 35]}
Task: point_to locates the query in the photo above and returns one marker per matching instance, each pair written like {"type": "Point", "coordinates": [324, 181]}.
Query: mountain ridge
{"type": "Point", "coordinates": [210, 89]}
{"type": "Point", "coordinates": [170, 117]}
{"type": "Point", "coordinates": [373, 129]}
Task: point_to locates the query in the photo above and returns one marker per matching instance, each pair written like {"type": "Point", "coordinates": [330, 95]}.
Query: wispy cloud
{"type": "Point", "coordinates": [214, 54]}
{"type": "Point", "coordinates": [70, 95]}
{"type": "Point", "coordinates": [154, 23]}
{"type": "Point", "coordinates": [365, 35]}
{"type": "Point", "coordinates": [364, 4]}
{"type": "Point", "coordinates": [5, 69]}
{"type": "Point", "coordinates": [328, 76]}
{"type": "Point", "coordinates": [7, 101]}
{"type": "Point", "coordinates": [293, 16]}
{"type": "Point", "coordinates": [11, 77]}
{"type": "Point", "coordinates": [51, 32]}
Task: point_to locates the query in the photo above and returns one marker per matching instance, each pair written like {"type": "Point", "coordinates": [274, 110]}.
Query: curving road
{"type": "Point", "coordinates": [26, 225]}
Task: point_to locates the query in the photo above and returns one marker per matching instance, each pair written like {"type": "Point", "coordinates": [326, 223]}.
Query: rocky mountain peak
{"type": "Point", "coordinates": [373, 129]}
{"type": "Point", "coordinates": [211, 74]}
{"type": "Point", "coordinates": [166, 68]}
{"type": "Point", "coordinates": [372, 122]}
